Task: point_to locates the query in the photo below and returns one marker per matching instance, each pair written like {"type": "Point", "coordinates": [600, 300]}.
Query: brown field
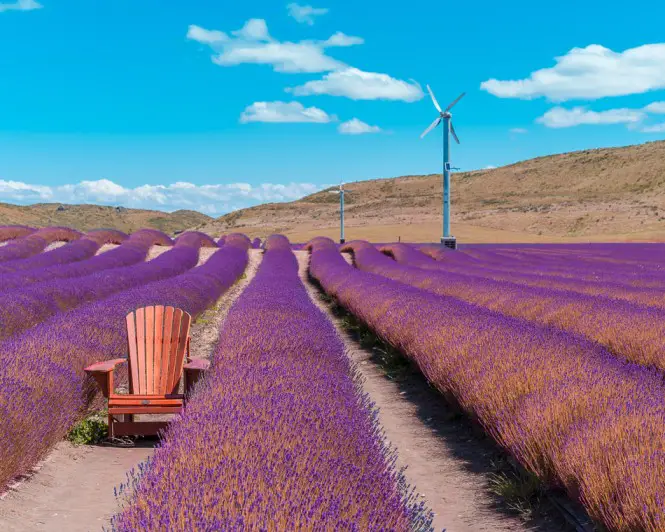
{"type": "Point", "coordinates": [86, 217]}
{"type": "Point", "coordinates": [610, 194]}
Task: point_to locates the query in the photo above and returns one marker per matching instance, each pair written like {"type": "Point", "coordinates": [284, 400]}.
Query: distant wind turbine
{"type": "Point", "coordinates": [444, 116]}
{"type": "Point", "coordinates": [341, 193]}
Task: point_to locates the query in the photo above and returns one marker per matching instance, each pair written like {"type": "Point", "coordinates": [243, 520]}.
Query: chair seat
{"type": "Point", "coordinates": [145, 404]}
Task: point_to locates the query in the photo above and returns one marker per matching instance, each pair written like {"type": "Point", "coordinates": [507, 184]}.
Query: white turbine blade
{"type": "Point", "coordinates": [452, 130]}
{"type": "Point", "coordinates": [436, 104]}
{"type": "Point", "coordinates": [454, 102]}
{"type": "Point", "coordinates": [431, 127]}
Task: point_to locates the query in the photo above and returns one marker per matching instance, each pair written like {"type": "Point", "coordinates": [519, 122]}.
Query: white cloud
{"type": "Point", "coordinates": [253, 44]}
{"type": "Point", "coordinates": [255, 29]}
{"type": "Point", "coordinates": [656, 108]}
{"type": "Point", "coordinates": [211, 199]}
{"type": "Point", "coordinates": [357, 127]}
{"type": "Point", "coordinates": [519, 130]}
{"type": "Point", "coordinates": [489, 167]}
{"type": "Point", "coordinates": [340, 39]}
{"type": "Point", "coordinates": [305, 14]}
{"type": "Point", "coordinates": [656, 128]}
{"type": "Point", "coordinates": [590, 73]}
{"type": "Point", "coordinates": [359, 85]}
{"type": "Point", "coordinates": [197, 33]}
{"type": "Point", "coordinates": [20, 5]}
{"type": "Point", "coordinates": [284, 112]}
{"type": "Point", "coordinates": [559, 117]}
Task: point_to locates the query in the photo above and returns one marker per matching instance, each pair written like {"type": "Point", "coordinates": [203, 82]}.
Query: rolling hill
{"type": "Point", "coordinates": [592, 195]}
{"type": "Point", "coordinates": [86, 217]}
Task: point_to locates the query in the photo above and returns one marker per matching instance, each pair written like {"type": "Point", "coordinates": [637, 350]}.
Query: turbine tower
{"type": "Point", "coordinates": [444, 116]}
{"type": "Point", "coordinates": [341, 193]}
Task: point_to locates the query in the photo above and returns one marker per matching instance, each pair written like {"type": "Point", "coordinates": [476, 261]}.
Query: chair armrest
{"type": "Point", "coordinates": [194, 370]}
{"type": "Point", "coordinates": [102, 372]}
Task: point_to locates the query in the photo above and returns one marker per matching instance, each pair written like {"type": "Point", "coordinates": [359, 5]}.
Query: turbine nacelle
{"type": "Point", "coordinates": [443, 114]}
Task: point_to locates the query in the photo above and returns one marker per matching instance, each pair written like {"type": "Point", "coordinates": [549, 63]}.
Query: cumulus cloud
{"type": "Point", "coordinates": [357, 127]}
{"type": "Point", "coordinates": [519, 130]}
{"type": "Point", "coordinates": [656, 108]}
{"type": "Point", "coordinates": [341, 40]}
{"type": "Point", "coordinates": [20, 5]}
{"type": "Point", "coordinates": [305, 14]}
{"type": "Point", "coordinates": [284, 112]}
{"type": "Point", "coordinates": [359, 85]}
{"type": "Point", "coordinates": [590, 73]}
{"type": "Point", "coordinates": [196, 33]}
{"type": "Point", "coordinates": [210, 199]}
{"type": "Point", "coordinates": [255, 29]}
{"type": "Point", "coordinates": [559, 117]}
{"type": "Point", "coordinates": [656, 128]}
{"type": "Point", "coordinates": [253, 44]}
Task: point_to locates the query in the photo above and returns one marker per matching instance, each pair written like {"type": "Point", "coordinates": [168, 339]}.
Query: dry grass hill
{"type": "Point", "coordinates": [592, 195]}
{"type": "Point", "coordinates": [86, 217]}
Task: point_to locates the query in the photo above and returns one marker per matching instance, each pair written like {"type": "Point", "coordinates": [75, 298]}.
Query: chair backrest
{"type": "Point", "coordinates": [157, 338]}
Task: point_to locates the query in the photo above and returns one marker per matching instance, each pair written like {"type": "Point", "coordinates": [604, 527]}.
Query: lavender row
{"type": "Point", "coordinates": [22, 308]}
{"type": "Point", "coordinates": [131, 251]}
{"type": "Point", "coordinates": [43, 388]}
{"type": "Point", "coordinates": [278, 436]}
{"type": "Point", "coordinates": [573, 269]}
{"type": "Point", "coordinates": [78, 250]}
{"type": "Point", "coordinates": [36, 242]}
{"type": "Point", "coordinates": [563, 406]}
{"type": "Point", "coordinates": [632, 332]}
{"type": "Point", "coordinates": [11, 232]}
{"type": "Point", "coordinates": [649, 292]}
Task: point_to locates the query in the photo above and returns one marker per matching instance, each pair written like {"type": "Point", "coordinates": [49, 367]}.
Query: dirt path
{"type": "Point", "coordinates": [72, 488]}
{"type": "Point", "coordinates": [445, 462]}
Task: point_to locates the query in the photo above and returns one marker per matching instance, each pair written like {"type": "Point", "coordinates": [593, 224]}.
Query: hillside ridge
{"type": "Point", "coordinates": [598, 194]}
{"type": "Point", "coordinates": [85, 217]}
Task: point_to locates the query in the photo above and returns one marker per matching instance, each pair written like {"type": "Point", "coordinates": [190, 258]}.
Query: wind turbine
{"type": "Point", "coordinates": [444, 116]}
{"type": "Point", "coordinates": [341, 192]}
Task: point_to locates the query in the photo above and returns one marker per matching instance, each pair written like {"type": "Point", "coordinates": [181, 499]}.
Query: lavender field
{"type": "Point", "coordinates": [556, 351]}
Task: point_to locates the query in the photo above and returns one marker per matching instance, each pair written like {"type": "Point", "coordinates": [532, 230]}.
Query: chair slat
{"type": "Point", "coordinates": [181, 343]}
{"type": "Point", "coordinates": [159, 339]}
{"type": "Point", "coordinates": [166, 349]}
{"type": "Point", "coordinates": [140, 350]}
{"type": "Point", "coordinates": [131, 350]}
{"type": "Point", "coordinates": [149, 349]}
{"type": "Point", "coordinates": [177, 318]}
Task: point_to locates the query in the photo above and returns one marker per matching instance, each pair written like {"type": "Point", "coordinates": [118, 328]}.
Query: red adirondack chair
{"type": "Point", "coordinates": [158, 342]}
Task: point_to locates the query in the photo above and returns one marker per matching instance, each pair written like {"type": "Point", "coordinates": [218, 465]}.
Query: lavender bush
{"type": "Point", "coordinates": [35, 242]}
{"type": "Point", "coordinates": [633, 332]}
{"type": "Point", "coordinates": [81, 249]}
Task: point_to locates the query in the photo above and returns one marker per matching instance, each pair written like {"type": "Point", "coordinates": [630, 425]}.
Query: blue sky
{"type": "Point", "coordinates": [216, 105]}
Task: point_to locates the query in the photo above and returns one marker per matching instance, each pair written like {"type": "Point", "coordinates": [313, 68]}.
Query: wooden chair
{"type": "Point", "coordinates": [158, 342]}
